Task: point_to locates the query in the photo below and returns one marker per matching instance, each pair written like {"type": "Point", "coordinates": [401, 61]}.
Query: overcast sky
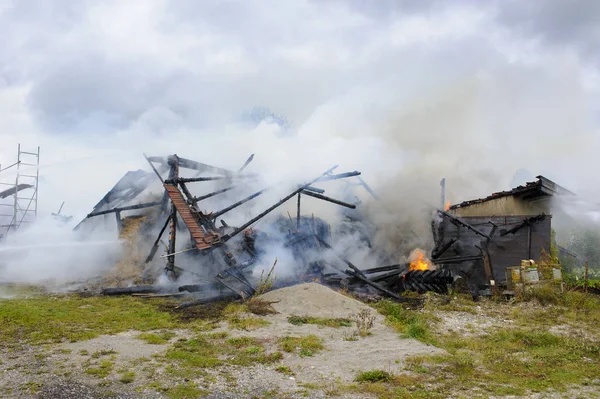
{"type": "Point", "coordinates": [406, 91]}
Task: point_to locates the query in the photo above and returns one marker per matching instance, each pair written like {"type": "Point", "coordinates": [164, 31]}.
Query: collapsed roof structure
{"type": "Point", "coordinates": [226, 254]}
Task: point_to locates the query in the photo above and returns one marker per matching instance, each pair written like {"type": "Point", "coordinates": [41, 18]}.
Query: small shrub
{"type": "Point", "coordinates": [373, 376]}
{"type": "Point", "coordinates": [260, 307]}
{"type": "Point", "coordinates": [545, 295]}
{"type": "Point", "coordinates": [364, 322]}
{"type": "Point", "coordinates": [265, 283]}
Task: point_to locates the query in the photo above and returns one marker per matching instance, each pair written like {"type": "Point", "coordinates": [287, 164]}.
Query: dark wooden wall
{"type": "Point", "coordinates": [504, 251]}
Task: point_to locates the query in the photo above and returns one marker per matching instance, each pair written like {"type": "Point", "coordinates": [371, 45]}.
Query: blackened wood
{"type": "Point", "coordinates": [464, 224]}
{"type": "Point", "coordinates": [155, 246]}
{"type": "Point", "coordinates": [125, 208]}
{"type": "Point", "coordinates": [266, 212]}
{"type": "Point", "coordinates": [203, 197]}
{"type": "Point", "coordinates": [328, 199]}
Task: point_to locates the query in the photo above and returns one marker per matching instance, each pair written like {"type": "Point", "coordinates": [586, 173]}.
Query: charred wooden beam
{"type": "Point", "coordinates": [369, 190]}
{"type": "Point", "coordinates": [203, 197]}
{"type": "Point", "coordinates": [250, 158]}
{"type": "Point", "coordinates": [173, 175]}
{"type": "Point", "coordinates": [328, 199]}
{"type": "Point", "coordinates": [194, 179]}
{"type": "Point", "coordinates": [298, 213]}
{"type": "Point", "coordinates": [457, 259]}
{"type": "Point", "coordinates": [155, 245]}
{"type": "Point", "coordinates": [150, 160]}
{"type": "Point", "coordinates": [375, 285]}
{"type": "Point", "coordinates": [400, 266]}
{"type": "Point", "coordinates": [270, 209]}
{"type": "Point", "coordinates": [189, 164]}
{"type": "Point", "coordinates": [439, 252]}
{"type": "Point", "coordinates": [125, 208]}
{"type": "Point", "coordinates": [340, 176]}
{"type": "Point", "coordinates": [240, 202]}
{"type": "Point", "coordinates": [314, 189]}
{"type": "Point", "coordinates": [463, 223]}
{"type": "Point", "coordinates": [131, 290]}
{"type": "Point", "coordinates": [526, 222]}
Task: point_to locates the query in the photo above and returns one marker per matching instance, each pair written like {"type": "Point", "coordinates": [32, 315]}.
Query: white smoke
{"type": "Point", "coordinates": [406, 99]}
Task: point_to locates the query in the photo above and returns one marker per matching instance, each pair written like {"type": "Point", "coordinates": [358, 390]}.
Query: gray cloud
{"type": "Point", "coordinates": [573, 23]}
{"type": "Point", "coordinates": [453, 89]}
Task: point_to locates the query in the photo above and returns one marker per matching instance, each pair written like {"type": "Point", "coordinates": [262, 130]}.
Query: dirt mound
{"type": "Point", "coordinates": [313, 299]}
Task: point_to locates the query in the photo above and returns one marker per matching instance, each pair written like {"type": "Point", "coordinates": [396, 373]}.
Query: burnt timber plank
{"type": "Point", "coordinates": [203, 240]}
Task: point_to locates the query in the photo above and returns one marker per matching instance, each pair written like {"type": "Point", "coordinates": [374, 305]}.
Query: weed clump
{"type": "Point", "coordinates": [410, 323]}
{"type": "Point", "coordinates": [337, 322]}
{"type": "Point", "coordinates": [306, 346]}
{"type": "Point", "coordinates": [157, 339]}
{"type": "Point", "coordinates": [364, 322]}
{"type": "Point", "coordinates": [260, 307]}
{"type": "Point", "coordinates": [127, 377]}
{"type": "Point", "coordinates": [373, 376]}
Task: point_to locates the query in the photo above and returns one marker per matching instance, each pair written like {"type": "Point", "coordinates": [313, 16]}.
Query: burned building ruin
{"type": "Point", "coordinates": [479, 239]}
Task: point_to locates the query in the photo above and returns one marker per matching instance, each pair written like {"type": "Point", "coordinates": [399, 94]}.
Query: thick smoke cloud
{"type": "Point", "coordinates": [406, 92]}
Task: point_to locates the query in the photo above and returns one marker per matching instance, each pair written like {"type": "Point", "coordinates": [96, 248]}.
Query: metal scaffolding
{"type": "Point", "coordinates": [24, 191]}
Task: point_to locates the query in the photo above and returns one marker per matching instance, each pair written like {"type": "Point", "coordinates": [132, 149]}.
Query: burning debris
{"type": "Point", "coordinates": [210, 259]}
{"type": "Point", "coordinates": [218, 259]}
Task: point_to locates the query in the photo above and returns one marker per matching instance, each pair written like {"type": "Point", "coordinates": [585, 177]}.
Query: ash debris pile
{"type": "Point", "coordinates": [209, 258]}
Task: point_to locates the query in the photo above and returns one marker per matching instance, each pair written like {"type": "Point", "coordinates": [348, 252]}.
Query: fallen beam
{"type": "Point", "coordinates": [215, 215]}
{"type": "Point", "coordinates": [203, 197]}
{"type": "Point", "coordinates": [263, 214]}
{"type": "Point", "coordinates": [125, 208]}
{"type": "Point", "coordinates": [143, 289]}
{"type": "Point", "coordinates": [365, 280]}
{"type": "Point", "coordinates": [328, 199]}
{"type": "Point", "coordinates": [463, 223]}
{"type": "Point", "coordinates": [380, 269]}
{"type": "Point", "coordinates": [340, 176]}
{"type": "Point", "coordinates": [457, 259]}
{"type": "Point", "coordinates": [189, 164]}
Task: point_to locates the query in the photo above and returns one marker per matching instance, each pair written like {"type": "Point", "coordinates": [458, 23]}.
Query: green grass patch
{"type": "Point", "coordinates": [190, 357]}
{"type": "Point", "coordinates": [240, 342]}
{"type": "Point", "coordinates": [185, 391]}
{"type": "Point", "coordinates": [51, 319]}
{"type": "Point", "coordinates": [410, 323]}
{"type": "Point", "coordinates": [305, 346]}
{"type": "Point", "coordinates": [127, 377]}
{"type": "Point", "coordinates": [327, 322]}
{"type": "Point", "coordinates": [246, 323]}
{"type": "Point", "coordinates": [160, 338]}
{"type": "Point", "coordinates": [373, 376]}
{"type": "Point", "coordinates": [102, 371]}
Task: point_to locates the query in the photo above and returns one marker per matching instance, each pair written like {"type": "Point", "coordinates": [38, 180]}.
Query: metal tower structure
{"type": "Point", "coordinates": [24, 191]}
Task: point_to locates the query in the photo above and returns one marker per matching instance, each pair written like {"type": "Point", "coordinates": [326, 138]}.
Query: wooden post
{"type": "Point", "coordinates": [586, 276]}
{"type": "Point", "coordinates": [173, 175]}
{"type": "Point", "coordinates": [298, 215]}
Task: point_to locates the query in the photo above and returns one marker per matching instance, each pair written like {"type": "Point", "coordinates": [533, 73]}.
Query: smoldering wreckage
{"type": "Point", "coordinates": [206, 259]}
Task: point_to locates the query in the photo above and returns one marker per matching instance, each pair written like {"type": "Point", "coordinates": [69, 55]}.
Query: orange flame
{"type": "Point", "coordinates": [420, 262]}
{"type": "Point", "coordinates": [447, 206]}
